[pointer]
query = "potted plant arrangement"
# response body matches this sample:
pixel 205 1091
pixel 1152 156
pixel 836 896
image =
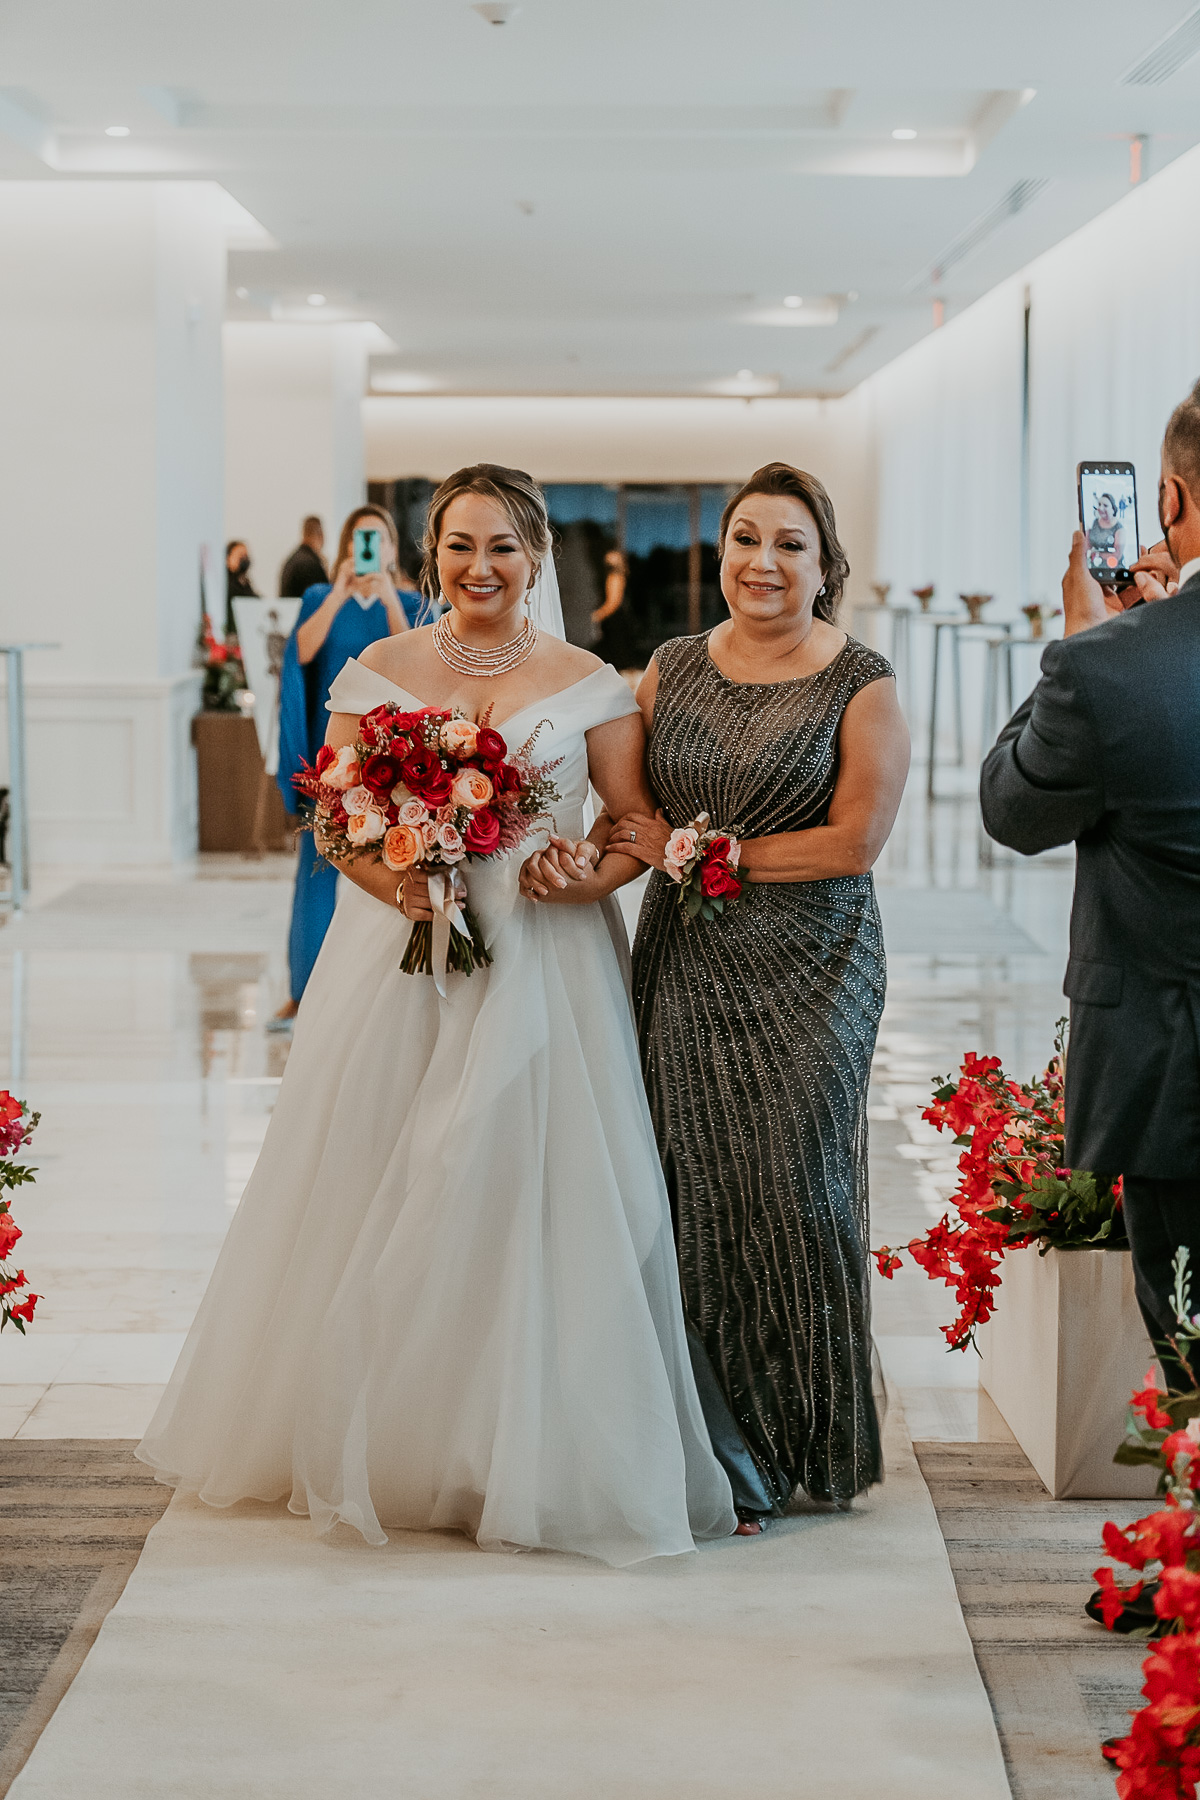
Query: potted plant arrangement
pixel 975 604
pixel 1159 1758
pixel 17 1126
pixel 1038 615
pixel 1069 1336
pixel 924 596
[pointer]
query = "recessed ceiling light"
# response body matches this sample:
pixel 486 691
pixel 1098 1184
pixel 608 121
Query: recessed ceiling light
pixel 904 134
pixel 792 300
pixel 242 293
pixel 495 14
pixel 116 131
pixel 745 374
pixel 316 299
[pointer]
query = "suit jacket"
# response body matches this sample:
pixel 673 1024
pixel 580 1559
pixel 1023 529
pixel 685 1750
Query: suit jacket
pixel 1106 753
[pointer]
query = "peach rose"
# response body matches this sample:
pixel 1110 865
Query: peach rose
pixel 459 737
pixel 429 832
pixel 358 799
pixel 450 842
pixel 402 847
pixel 366 827
pixel 680 848
pixel 471 788
pixel 414 812
pixel 343 772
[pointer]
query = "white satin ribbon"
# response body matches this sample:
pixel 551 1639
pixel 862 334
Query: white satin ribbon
pixel 446 889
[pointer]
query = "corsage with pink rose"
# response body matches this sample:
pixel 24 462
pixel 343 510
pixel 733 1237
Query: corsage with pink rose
pixel 428 790
pixel 704 864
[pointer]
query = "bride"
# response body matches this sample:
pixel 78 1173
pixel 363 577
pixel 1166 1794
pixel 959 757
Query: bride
pixel 449 1296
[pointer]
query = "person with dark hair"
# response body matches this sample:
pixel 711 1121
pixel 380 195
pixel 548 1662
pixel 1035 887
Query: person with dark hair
pixel 238 585
pixel 757 1028
pixel 449 1298
pixel 336 620
pixel 1104 754
pixel 306 565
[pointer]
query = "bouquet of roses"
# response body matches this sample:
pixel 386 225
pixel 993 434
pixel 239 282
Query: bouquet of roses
pixel 427 790
pixel 17 1125
pixel 703 862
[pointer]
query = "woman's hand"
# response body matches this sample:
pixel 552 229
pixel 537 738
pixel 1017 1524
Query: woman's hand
pixel 637 834
pixel 343 584
pixel 1156 573
pixel 563 860
pixel 415 902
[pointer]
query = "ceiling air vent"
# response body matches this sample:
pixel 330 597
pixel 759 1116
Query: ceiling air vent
pixel 1169 54
pixel 1016 200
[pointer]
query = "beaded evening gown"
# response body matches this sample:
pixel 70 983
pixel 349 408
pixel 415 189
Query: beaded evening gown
pixel 757 1031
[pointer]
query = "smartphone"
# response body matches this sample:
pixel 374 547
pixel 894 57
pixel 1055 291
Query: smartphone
pixel 1108 515
pixel 366 550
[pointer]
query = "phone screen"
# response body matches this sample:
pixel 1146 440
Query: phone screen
pixel 366 551
pixel 1108 514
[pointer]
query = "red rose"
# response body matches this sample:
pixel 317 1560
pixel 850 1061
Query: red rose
pixel 419 767
pixel 381 773
pixel 490 746
pixel 325 755
pixel 483 832
pixel 507 780
pixel 719 848
pixel 717 882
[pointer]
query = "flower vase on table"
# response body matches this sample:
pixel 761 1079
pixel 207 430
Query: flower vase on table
pixel 975 604
pixel 881 590
pixel 924 596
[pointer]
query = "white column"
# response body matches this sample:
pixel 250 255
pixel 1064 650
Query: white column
pixel 293 434
pixel 110 490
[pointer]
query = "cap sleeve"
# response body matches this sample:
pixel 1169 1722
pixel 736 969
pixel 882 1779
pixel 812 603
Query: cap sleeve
pixel 357 689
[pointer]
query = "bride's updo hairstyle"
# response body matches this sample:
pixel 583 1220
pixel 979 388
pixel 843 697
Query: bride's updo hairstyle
pixel 517 493
pixel 780 478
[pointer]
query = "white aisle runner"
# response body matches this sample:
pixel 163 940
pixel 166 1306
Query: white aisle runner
pixel 247 1660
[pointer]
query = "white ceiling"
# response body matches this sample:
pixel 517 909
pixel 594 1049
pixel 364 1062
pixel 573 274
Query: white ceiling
pixel 614 196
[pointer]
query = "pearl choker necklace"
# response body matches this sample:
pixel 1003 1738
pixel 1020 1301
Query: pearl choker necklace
pixel 466 660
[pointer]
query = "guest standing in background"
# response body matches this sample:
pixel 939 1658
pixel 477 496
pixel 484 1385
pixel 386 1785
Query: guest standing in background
pixel 757 1029
pixel 578 586
pixel 336 622
pixel 615 643
pixel 238 585
pixel 305 567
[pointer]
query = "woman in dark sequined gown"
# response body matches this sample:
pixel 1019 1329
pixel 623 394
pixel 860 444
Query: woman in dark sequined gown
pixel 757 1028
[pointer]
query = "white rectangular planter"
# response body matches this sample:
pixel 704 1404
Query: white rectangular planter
pixel 1063 1352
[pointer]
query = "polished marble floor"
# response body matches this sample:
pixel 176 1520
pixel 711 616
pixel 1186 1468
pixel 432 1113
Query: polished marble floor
pixel 133 1007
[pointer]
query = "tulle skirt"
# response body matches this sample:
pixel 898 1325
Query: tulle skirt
pixel 449 1297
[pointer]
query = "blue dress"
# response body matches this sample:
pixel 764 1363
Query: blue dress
pixel 303 720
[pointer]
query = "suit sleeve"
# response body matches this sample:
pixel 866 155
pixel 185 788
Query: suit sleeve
pixel 1043 783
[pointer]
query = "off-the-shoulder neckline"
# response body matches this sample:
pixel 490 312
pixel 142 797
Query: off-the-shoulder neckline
pixel 497 724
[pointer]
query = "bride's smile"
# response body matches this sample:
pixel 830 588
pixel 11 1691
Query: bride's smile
pixel 485 570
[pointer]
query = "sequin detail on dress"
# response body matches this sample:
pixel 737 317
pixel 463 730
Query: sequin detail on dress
pixel 757 1032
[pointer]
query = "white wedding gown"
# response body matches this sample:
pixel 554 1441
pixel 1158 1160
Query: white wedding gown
pixel 449 1296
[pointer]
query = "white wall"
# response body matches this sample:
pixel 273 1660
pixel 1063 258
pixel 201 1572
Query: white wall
pixel 1114 345
pixel 294 435
pixel 111 296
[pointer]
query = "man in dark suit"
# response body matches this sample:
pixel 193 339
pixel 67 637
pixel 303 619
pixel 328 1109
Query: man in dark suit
pixel 305 567
pixel 1106 753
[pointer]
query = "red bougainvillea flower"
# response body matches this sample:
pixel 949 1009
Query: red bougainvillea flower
pixel 1178 1597
pixel 10 1109
pixel 9 1234
pixel 1114 1599
pixel 25 1310
pixel 887 1262
pixel 1145 1400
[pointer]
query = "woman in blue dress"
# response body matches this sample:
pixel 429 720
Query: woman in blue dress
pixel 337 621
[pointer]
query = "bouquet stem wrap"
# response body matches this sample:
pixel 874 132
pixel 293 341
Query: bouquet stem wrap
pixel 451 940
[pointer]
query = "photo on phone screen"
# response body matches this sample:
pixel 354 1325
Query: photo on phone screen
pixel 366 551
pixel 1108 514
